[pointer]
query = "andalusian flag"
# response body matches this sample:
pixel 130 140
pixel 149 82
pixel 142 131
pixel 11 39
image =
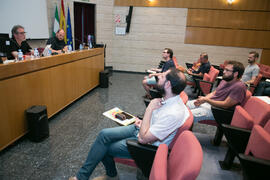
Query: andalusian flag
pixel 56 21
pixel 69 32
pixel 63 20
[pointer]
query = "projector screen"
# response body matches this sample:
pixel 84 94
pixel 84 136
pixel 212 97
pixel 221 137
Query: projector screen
pixel 31 14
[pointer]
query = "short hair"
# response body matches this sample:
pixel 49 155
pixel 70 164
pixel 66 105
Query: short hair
pixel 205 55
pixel 169 51
pixel 15 28
pixel 237 67
pixel 60 30
pixel 256 55
pixel 178 82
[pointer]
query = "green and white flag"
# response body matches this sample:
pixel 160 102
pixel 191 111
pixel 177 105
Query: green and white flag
pixel 56 21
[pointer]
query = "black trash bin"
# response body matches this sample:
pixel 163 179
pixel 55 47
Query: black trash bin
pixel 38 126
pixel 104 78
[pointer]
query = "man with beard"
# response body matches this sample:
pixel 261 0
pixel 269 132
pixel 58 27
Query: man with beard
pixel 162 118
pixel 150 80
pixel 230 92
pixel 58 44
pixel 252 70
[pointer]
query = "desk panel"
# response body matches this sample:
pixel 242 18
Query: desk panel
pixel 55 82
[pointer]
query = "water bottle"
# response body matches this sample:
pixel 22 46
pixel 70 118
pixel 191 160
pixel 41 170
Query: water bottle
pixel 81 47
pixel 20 55
pixel 89 42
pixel 36 53
pixel 49 52
pixel 69 48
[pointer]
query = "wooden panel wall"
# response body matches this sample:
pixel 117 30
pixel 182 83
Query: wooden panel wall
pixel 258 5
pixel 265 57
pixel 229 19
pixel 228 37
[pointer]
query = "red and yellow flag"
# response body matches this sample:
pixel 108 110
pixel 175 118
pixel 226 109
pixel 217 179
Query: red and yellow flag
pixel 63 20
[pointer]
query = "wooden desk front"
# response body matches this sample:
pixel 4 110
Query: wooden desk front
pixel 54 81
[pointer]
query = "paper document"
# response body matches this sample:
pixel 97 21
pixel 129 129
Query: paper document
pixel 112 115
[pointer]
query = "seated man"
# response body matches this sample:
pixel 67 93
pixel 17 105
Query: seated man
pixel 252 70
pixel 167 55
pixel 230 92
pixel 203 68
pixel 263 89
pixel 58 44
pixel 161 120
pixel 18 42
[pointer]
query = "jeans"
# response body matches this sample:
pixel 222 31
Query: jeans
pixel 263 89
pixel 202 112
pixel 110 142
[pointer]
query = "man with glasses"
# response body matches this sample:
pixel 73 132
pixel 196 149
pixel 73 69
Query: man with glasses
pixel 230 92
pixel 18 41
pixel 149 81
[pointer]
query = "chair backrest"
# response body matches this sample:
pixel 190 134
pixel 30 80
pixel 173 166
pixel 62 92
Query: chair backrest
pixel 185 159
pixel 210 77
pixel 255 83
pixel 259 142
pixel 248 95
pixel 255 111
pixel 186 126
pixel 184 162
pixel 213 73
pixel 184 97
pixel 175 61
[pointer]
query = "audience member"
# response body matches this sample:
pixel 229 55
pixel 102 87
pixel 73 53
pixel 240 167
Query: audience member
pixel 204 68
pixel 18 41
pixel 252 70
pixel 263 89
pixel 160 123
pixel 230 92
pixel 167 55
pixel 57 42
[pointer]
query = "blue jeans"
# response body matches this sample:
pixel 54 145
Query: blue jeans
pixel 110 142
pixel 202 112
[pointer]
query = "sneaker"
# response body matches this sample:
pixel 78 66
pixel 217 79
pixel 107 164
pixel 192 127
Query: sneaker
pixel 73 178
pixel 105 177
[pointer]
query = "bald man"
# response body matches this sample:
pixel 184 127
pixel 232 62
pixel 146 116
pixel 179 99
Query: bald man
pixel 57 43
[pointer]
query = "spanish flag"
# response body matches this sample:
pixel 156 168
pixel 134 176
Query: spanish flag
pixel 63 20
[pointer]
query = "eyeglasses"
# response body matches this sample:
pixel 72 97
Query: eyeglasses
pixel 227 70
pixel 165 52
pixel 21 33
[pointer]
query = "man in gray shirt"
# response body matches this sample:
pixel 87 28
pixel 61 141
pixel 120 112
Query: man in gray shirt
pixel 252 70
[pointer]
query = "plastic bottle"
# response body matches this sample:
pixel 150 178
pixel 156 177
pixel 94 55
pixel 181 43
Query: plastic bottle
pixel 81 47
pixel 69 48
pixel 20 55
pixel 36 53
pixel 89 42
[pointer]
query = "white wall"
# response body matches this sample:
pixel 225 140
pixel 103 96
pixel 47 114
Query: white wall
pixel 152 29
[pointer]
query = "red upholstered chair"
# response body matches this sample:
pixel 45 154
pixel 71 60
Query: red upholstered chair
pixel 255 83
pixel 144 155
pixel 254 112
pixel 184 161
pixel 206 85
pixel 256 160
pixel 184 96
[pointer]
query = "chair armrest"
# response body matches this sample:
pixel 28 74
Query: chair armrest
pixel 143 155
pixel 221 115
pixel 254 168
pixel 237 137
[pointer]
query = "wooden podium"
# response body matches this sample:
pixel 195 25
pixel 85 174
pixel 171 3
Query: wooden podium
pixel 54 81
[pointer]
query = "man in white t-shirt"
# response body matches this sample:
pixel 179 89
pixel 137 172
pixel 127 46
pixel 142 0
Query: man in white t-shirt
pixel 162 118
pixel 252 70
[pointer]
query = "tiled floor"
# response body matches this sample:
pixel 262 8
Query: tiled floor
pixel 73 130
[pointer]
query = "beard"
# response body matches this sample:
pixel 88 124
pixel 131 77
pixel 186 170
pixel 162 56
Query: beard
pixel 227 78
pixel 161 89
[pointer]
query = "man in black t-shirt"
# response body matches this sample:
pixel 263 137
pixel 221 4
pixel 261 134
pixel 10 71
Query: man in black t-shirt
pixel 18 42
pixel 204 68
pixel 167 55
pixel 57 43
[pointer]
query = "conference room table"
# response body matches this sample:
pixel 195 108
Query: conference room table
pixel 54 81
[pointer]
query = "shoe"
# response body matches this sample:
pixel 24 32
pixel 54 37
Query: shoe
pixel 73 178
pixel 105 177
